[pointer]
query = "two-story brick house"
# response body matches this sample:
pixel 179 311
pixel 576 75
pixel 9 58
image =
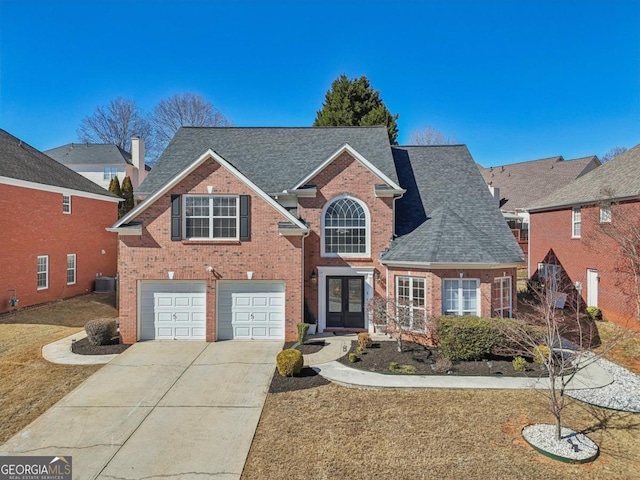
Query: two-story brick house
pixel 241 227
pixel 587 232
pixel 53 239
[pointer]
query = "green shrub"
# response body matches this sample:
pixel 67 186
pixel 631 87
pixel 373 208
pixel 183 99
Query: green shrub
pixel 594 313
pixel 303 328
pixel 466 337
pixel 519 364
pixel 289 362
pixel 364 340
pixel 402 369
pixel 540 354
pixel 101 331
pixel 353 357
pixel 359 350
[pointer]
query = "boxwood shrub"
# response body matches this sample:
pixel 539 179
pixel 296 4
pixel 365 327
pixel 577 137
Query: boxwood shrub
pixel 101 331
pixel 466 337
pixel 289 362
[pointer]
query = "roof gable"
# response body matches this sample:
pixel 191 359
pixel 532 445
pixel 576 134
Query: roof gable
pixel 275 159
pixel 96 154
pixel 616 179
pixel 24 164
pixel 524 183
pixel 208 155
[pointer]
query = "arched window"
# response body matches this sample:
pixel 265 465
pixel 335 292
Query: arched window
pixel 345 228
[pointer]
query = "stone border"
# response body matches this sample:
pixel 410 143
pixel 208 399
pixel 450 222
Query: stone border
pixel 574 447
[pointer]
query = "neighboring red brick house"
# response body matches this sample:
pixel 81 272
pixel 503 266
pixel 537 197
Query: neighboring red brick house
pixel 243 226
pixel 53 239
pixel 577 235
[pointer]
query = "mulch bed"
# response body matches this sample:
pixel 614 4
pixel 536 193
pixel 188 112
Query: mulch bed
pixel 84 347
pixel 307 378
pixel 379 356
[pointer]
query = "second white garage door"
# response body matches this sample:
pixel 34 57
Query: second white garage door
pixel 251 310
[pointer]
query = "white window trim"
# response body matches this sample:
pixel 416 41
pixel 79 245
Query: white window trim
pixel 75 269
pixel 46 271
pixel 65 203
pixel 210 239
pixel 575 211
pixel 411 306
pixel 108 173
pixel 501 308
pixel 606 210
pixel 459 311
pixel 367 252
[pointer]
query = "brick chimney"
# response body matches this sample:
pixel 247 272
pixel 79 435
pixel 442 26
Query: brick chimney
pixel 137 158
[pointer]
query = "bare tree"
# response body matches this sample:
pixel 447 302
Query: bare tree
pixel 116 123
pixel 184 110
pixel 561 342
pixel 430 136
pixel 397 318
pixel 612 153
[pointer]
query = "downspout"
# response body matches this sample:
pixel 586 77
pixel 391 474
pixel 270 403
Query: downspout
pixel 302 281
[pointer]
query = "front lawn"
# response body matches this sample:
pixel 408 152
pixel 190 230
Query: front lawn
pixel 30 385
pixel 333 432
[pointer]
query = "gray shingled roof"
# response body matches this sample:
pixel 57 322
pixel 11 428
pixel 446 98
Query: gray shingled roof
pixel 522 184
pixel 447 214
pixel 618 178
pixel 21 161
pixel 274 159
pixel 90 154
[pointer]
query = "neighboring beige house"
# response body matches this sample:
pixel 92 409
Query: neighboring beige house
pixel 100 162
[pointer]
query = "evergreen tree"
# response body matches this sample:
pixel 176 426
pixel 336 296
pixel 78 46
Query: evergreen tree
pixel 127 194
pixel 114 187
pixel 354 102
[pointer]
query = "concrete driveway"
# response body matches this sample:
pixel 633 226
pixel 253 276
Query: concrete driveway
pixel 160 410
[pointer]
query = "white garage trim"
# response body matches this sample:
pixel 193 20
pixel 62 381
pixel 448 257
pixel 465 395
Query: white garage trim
pixel 250 310
pixel 172 310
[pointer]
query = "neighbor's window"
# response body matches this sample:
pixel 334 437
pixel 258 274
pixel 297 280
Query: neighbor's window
pixel 410 294
pixel 109 173
pixel 549 273
pixel 605 214
pixel 576 224
pixel 211 217
pixel 71 269
pixel 345 228
pixel 460 297
pixel 502 297
pixel 43 272
pixel 66 203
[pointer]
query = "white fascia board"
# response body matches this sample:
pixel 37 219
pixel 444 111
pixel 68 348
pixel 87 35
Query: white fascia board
pixel 349 149
pixel 14 182
pixel 451 266
pixel 582 203
pixel 209 154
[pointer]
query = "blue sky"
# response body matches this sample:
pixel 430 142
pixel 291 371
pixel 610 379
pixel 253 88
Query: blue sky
pixel 514 80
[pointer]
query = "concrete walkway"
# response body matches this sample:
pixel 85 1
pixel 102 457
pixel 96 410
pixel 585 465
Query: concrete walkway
pixel 60 352
pixel 593 376
pixel 171 410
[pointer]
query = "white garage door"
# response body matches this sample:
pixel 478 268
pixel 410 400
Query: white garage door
pixel 173 311
pixel 251 310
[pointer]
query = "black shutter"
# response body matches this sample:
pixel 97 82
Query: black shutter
pixel 176 217
pixel 245 217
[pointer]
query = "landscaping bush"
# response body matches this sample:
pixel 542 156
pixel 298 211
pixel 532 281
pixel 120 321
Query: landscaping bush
pixel 364 340
pixel 442 365
pixel 594 313
pixel 353 357
pixel 303 328
pixel 519 364
pixel 289 362
pixel 541 354
pixel 466 337
pixel 101 331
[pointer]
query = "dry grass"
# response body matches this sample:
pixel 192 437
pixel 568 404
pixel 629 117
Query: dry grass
pixel 30 384
pixel 333 432
pixel 626 350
